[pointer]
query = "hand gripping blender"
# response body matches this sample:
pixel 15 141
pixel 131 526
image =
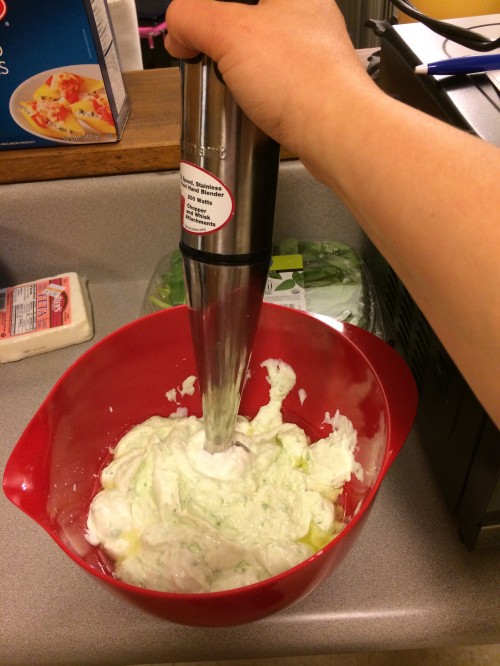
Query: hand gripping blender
pixel 229 172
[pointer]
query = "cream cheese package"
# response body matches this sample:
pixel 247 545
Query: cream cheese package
pixel 60 77
pixel 39 316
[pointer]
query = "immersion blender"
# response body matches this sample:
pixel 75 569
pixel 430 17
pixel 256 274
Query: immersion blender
pixel 229 172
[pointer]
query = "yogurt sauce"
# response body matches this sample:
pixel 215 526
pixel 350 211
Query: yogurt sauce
pixel 176 518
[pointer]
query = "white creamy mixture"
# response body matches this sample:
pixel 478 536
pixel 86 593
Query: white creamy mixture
pixel 176 518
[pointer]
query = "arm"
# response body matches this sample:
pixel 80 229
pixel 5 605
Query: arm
pixel 427 194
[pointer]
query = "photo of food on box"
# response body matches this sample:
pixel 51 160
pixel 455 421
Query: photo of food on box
pixel 67 88
pixel 68 104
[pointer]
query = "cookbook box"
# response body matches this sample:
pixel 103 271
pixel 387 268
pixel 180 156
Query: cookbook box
pixel 60 77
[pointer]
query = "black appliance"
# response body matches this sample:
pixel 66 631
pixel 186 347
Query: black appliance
pixel 469 101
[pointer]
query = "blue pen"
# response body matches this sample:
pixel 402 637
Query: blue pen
pixel 465 65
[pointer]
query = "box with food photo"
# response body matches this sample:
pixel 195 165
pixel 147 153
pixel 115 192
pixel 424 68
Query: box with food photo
pixel 60 75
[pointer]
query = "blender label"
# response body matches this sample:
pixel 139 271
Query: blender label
pixel 207 204
pixel 285 282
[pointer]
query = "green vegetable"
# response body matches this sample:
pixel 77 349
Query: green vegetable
pixel 170 290
pixel 298 277
pixel 332 273
pixel 325 263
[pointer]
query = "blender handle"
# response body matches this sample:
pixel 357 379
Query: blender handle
pixel 398 385
pixel 229 171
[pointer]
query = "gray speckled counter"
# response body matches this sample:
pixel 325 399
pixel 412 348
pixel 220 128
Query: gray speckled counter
pixel 407 583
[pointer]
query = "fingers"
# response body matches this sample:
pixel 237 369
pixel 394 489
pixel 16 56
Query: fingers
pixel 196 26
pixel 277 57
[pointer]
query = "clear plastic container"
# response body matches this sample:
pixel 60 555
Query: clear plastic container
pixel 332 279
pixel 166 287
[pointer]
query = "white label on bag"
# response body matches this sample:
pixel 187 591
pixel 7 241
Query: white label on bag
pixel 206 203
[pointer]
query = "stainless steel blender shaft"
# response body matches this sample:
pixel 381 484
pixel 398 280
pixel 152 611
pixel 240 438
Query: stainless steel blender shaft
pixel 225 307
pixel 229 172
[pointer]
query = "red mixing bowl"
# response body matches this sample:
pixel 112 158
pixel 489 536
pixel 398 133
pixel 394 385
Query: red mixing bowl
pixel 122 380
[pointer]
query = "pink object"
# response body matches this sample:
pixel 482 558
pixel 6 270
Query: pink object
pixel 122 380
pixel 150 32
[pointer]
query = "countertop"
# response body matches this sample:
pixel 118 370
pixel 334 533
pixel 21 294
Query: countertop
pixel 408 582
